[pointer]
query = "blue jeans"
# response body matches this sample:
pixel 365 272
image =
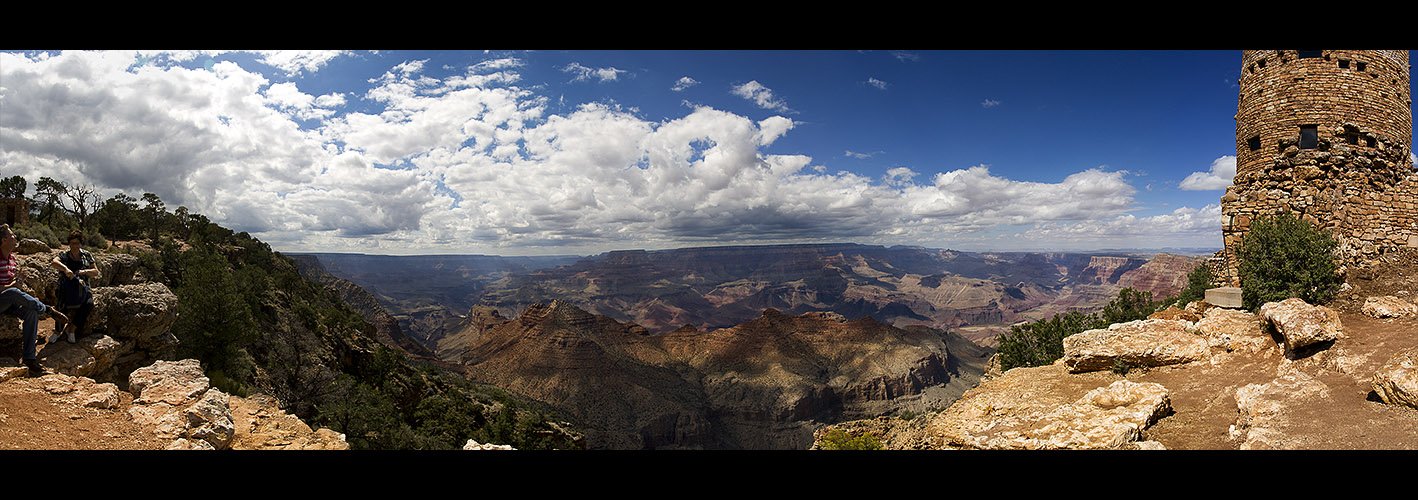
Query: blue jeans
pixel 21 305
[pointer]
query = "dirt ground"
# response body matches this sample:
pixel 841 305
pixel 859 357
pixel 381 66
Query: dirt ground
pixel 1350 418
pixel 32 418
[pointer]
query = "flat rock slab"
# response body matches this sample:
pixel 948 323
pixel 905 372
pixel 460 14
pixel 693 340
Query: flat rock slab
pixel 1029 409
pixel 1267 413
pixel 1148 342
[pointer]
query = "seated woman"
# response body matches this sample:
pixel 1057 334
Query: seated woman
pixel 75 297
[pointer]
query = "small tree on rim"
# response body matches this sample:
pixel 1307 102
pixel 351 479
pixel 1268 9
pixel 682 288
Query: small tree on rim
pixel 1284 256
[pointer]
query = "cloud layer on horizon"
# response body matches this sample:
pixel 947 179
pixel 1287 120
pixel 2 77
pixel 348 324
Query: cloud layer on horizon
pixel 474 162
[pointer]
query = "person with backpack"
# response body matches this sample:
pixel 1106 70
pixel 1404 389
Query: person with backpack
pixel 16 302
pixel 76 268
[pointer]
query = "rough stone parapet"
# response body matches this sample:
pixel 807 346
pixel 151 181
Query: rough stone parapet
pixel 1327 135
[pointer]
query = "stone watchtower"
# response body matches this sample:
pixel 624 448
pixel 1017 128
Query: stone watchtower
pixel 1326 134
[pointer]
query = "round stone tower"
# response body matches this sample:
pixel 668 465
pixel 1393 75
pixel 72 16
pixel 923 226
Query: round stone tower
pixel 1326 134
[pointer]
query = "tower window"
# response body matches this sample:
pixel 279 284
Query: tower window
pixel 1309 136
pixel 1369 141
pixel 1307 54
pixel 1344 63
pixel 1253 143
pixel 1261 64
pixel 1362 66
pixel 1352 138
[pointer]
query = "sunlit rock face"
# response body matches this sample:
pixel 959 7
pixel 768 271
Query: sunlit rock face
pixel 764 384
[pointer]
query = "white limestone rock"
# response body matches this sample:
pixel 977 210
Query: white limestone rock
pixel 1388 306
pixel 171 382
pixel 1234 330
pixel 1396 382
pixel 1149 342
pixel 1263 409
pixel 1302 324
pixel 474 445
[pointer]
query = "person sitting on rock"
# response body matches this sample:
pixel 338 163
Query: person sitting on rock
pixel 16 302
pixel 76 268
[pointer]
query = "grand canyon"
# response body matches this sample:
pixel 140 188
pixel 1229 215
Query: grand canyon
pixel 742 347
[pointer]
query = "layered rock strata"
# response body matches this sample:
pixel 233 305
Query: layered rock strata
pixel 765 384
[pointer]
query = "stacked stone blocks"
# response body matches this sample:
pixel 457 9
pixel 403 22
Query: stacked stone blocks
pixel 1327 135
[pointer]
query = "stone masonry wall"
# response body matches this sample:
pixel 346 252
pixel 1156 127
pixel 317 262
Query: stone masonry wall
pixel 1353 173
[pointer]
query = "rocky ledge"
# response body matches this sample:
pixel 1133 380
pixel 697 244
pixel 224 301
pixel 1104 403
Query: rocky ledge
pixel 1293 377
pixel 169 405
pixel 128 327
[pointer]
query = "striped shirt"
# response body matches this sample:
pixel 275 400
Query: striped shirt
pixel 8 267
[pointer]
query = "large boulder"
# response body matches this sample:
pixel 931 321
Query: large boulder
pixel 134 312
pixel 1396 382
pixel 1148 342
pixel 90 357
pixel 42 279
pixel 1388 306
pixel 1234 330
pixel 176 400
pixel 1302 324
pixel 30 245
pixel 129 327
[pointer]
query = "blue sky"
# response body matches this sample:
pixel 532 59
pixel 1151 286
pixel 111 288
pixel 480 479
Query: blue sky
pixel 562 152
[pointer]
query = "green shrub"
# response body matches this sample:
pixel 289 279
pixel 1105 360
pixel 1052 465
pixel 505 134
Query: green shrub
pixel 838 439
pixel 1041 342
pixel 39 231
pixel 1283 256
pixel 1129 306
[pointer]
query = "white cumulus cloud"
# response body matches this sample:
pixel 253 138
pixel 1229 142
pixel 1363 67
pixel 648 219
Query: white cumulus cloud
pixel 760 95
pixel 683 83
pixel 581 73
pixel 1218 176
pixel 473 163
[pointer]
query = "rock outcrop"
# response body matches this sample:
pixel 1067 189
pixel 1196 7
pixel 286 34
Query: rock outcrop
pixel 128 327
pixel 1248 390
pixel 176 400
pixel 1148 342
pixel 31 245
pixel 1302 324
pixel 1396 383
pixel 1033 409
pixel 169 405
pixel 260 424
pixel 474 445
pixel 1389 306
